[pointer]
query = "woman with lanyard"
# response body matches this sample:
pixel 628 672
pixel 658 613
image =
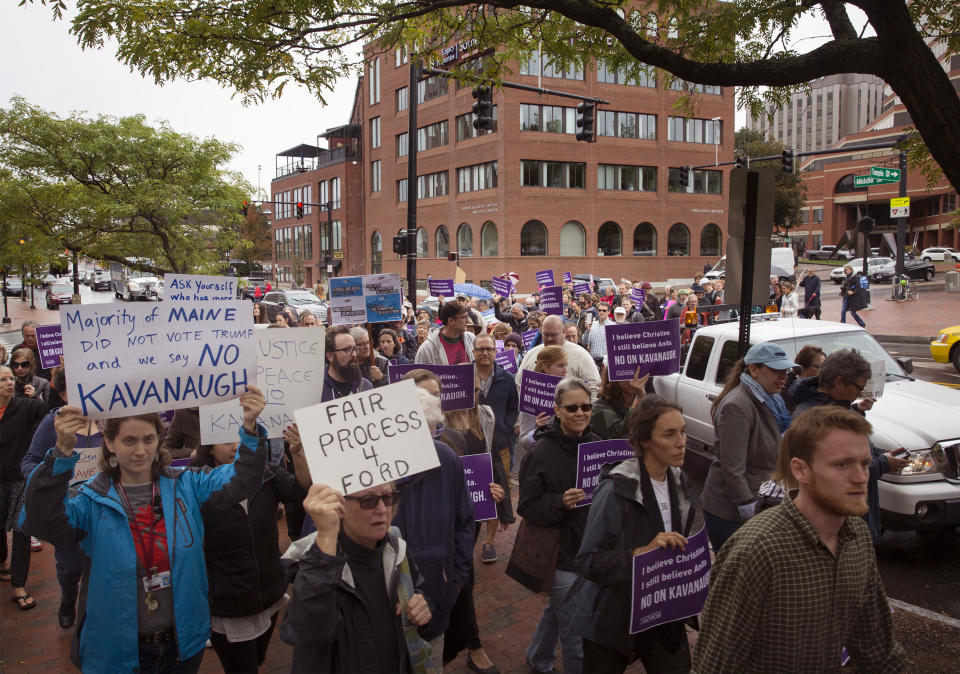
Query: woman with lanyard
pixel 639 505
pixel 749 417
pixel 139 524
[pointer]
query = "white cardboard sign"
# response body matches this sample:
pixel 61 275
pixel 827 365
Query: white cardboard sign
pixel 878 376
pixel 290 366
pixel 368 438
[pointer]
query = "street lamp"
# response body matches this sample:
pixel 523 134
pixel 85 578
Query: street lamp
pixel 716 140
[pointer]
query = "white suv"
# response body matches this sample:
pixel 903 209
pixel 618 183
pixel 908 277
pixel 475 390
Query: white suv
pixel 940 255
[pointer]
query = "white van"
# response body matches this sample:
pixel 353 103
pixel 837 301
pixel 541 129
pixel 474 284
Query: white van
pixel 781 264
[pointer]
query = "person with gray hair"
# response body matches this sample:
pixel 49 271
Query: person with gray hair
pixel 373 366
pixel 549 498
pixel 843 375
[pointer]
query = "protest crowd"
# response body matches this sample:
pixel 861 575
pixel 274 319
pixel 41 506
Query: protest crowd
pixel 423 438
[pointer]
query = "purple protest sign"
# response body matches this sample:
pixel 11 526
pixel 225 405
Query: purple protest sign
pixel 50 344
pixel 440 286
pixel 580 287
pixel 478 470
pixel 502 287
pixel 670 584
pixel 507 359
pixel 528 338
pixel 457 390
pixel 545 278
pixel 567 277
pixel 537 391
pixel 590 459
pixel 654 346
pixel 638 295
pixel 551 300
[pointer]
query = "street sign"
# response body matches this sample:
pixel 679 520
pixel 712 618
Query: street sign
pixel 885 175
pixel 900 207
pixel 864 181
pixel 338 255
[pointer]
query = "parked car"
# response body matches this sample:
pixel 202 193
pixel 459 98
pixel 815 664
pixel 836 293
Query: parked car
pixel 837 275
pixel 248 290
pixel 782 263
pixel 946 347
pixel 600 282
pixel 940 255
pixel 101 281
pixel 298 300
pixel 920 416
pixel 141 288
pixel 915 269
pixel 827 252
pixel 14 286
pixel 59 293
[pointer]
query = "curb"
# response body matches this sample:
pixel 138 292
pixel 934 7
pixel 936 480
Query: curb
pixel 904 339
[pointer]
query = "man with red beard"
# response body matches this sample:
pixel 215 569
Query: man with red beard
pixel 799 582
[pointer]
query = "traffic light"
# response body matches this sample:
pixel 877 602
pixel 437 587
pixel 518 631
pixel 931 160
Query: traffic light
pixel 451 257
pixel 739 162
pixel 787 161
pixel 483 108
pixel 684 178
pixel 299 210
pixel 586 119
pixel 400 244
pixel 243 209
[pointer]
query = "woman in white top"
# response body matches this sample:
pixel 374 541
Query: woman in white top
pixel 789 301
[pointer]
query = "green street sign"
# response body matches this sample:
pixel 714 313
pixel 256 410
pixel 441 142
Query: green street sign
pixel 885 175
pixel 864 181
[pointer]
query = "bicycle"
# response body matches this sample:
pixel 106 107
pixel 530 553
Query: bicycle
pixel 904 290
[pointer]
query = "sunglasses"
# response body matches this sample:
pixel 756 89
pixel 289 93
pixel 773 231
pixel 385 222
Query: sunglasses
pixel 22 363
pixel 370 502
pixel 571 409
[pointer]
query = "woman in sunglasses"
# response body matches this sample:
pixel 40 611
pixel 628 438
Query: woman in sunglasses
pixel 23 362
pixel 548 498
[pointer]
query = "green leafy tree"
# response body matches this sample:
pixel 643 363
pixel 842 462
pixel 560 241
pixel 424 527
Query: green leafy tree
pixel 791 190
pixel 257 48
pixel 119 189
pixel 254 243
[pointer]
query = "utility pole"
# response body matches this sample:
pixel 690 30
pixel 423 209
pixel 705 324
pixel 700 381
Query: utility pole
pixel 902 222
pixel 416 69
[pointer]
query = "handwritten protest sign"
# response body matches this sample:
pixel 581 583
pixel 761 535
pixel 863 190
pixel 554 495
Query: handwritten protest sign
pixel 590 459
pixel 551 300
pixel 507 359
pixel 654 346
pixel 878 376
pixel 502 287
pixel 489 317
pixel 133 359
pixel 86 466
pixel 50 345
pixel 440 286
pixel 638 295
pixel 290 366
pixel 368 438
pixel 478 470
pixel 375 298
pixel 529 337
pixel 567 277
pixel 545 278
pixel 580 287
pixel 670 584
pixel 191 288
pixel 537 392
pixel 457 382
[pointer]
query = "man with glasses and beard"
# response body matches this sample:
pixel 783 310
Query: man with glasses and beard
pixel 342 377
pixel 799 582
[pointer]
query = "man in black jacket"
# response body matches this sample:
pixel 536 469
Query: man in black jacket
pixel 344 616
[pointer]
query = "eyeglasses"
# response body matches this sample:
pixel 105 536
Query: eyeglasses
pixel 571 409
pixel 857 386
pixel 603 311
pixel 20 363
pixel 348 349
pixel 483 349
pixel 370 502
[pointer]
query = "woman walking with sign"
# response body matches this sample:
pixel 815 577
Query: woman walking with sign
pixel 143 597
pixel 548 501
pixel 639 505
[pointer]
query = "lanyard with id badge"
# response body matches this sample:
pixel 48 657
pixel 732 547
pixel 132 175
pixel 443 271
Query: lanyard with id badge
pixel 155 580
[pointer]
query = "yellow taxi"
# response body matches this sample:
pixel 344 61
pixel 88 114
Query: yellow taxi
pixel 946 347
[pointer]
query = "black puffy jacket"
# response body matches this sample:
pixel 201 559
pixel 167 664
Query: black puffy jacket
pixel 242 548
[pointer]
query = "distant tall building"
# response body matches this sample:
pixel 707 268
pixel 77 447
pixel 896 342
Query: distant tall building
pixel 837 106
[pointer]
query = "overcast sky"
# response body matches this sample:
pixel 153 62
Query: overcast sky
pixel 44 64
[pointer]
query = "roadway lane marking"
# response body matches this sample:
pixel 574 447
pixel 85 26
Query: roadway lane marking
pixel 926 613
pixel 943 383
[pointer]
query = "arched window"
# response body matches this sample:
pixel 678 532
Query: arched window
pixel 465 241
pixel 645 239
pixel 489 243
pixel 609 239
pixel 678 240
pixel 376 253
pixel 573 240
pixel 710 240
pixel 423 242
pixel 443 242
pixel 533 238
pixel 845 184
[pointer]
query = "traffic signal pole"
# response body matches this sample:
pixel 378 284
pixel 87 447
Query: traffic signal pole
pixel 416 69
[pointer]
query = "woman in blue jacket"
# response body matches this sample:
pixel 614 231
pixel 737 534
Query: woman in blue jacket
pixel 143 596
